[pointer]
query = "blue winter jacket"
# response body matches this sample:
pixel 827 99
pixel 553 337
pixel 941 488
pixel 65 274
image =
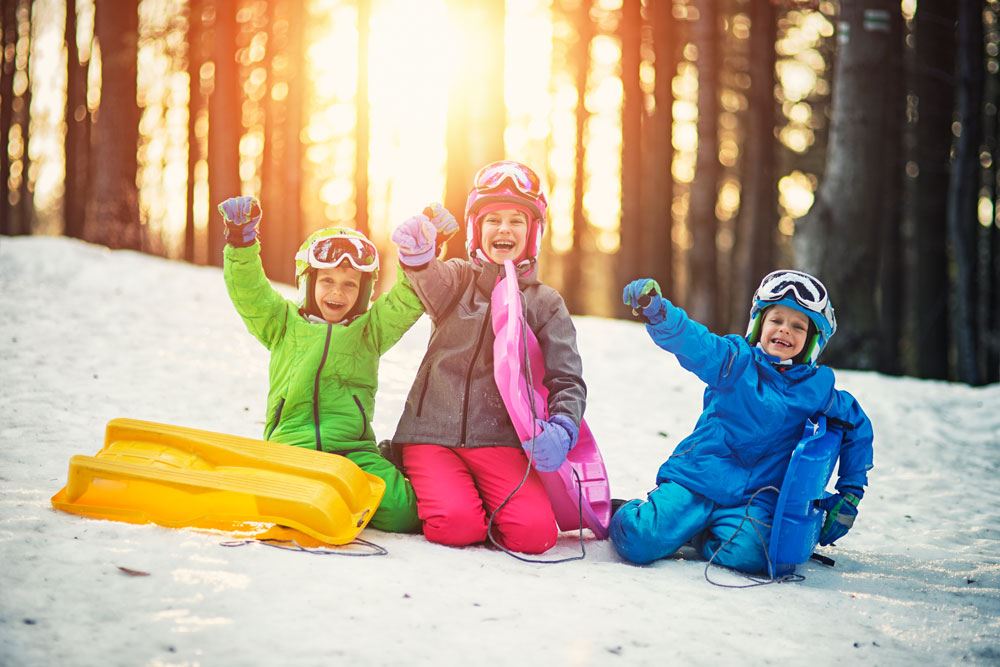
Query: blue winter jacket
pixel 753 415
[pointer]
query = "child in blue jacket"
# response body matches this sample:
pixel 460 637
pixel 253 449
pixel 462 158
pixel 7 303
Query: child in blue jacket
pixel 761 390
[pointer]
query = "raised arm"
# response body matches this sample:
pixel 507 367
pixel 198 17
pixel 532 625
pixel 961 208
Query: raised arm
pixel 394 313
pixel 419 240
pixel 262 308
pixel 712 358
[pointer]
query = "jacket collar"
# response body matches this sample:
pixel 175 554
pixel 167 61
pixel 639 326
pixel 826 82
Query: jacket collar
pixel 487 275
pixel 789 370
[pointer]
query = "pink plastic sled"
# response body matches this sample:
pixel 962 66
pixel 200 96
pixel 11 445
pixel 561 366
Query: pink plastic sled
pixel 584 461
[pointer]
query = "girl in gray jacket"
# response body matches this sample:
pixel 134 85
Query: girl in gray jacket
pixel 459 447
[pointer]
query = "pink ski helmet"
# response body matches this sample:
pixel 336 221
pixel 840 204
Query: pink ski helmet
pixel 505 182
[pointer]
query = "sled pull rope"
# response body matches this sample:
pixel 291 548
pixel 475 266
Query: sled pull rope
pixel 292 545
pixel 531 453
pixel 756 581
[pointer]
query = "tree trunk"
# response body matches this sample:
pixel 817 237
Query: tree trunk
pixel 993 355
pixel 272 156
pixel 476 112
pixel 77 132
pixel 196 57
pixel 840 239
pixel 293 232
pixel 361 135
pixel 7 65
pixel 25 188
pixel 112 216
pixel 890 264
pixel 631 234
pixel 225 124
pixel 964 185
pixel 659 195
pixel 703 293
pixel 574 260
pixel 993 358
pixel 755 238
pixel 935 44
pixel 992 363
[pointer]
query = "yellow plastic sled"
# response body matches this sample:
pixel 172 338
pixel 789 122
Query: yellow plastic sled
pixel 175 476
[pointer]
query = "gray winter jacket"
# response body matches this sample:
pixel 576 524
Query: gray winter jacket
pixel 454 399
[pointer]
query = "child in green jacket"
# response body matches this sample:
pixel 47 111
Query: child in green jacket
pixel 325 350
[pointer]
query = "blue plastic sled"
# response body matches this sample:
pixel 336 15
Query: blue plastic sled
pixel 797 521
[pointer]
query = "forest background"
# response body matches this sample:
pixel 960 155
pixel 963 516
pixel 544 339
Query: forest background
pixel 701 142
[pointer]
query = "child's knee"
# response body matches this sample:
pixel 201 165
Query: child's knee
pixel 527 537
pixel 396 517
pixel 646 531
pixel 631 539
pixel 456 526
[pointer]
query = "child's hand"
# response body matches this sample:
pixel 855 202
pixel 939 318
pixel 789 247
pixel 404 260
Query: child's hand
pixel 416 238
pixel 241 216
pixel 841 510
pixel 551 446
pixel 643 297
pixel 442 219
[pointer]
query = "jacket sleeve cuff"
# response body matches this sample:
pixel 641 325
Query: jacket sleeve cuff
pixel 855 491
pixel 567 423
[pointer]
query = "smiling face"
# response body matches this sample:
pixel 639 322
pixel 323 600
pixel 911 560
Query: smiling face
pixel 504 234
pixel 336 291
pixel 783 332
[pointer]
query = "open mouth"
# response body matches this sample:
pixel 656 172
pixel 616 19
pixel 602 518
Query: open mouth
pixel 503 245
pixel 778 342
pixel 333 305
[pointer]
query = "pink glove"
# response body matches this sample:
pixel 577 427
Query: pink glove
pixel 415 238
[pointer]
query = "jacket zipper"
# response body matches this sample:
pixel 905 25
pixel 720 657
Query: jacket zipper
pixel 364 417
pixel 277 417
pixel 322 362
pixel 468 376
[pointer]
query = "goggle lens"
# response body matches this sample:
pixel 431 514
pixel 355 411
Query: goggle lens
pixel 806 290
pixel 494 174
pixel 331 252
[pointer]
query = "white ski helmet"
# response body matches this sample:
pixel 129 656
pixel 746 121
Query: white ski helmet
pixel 802 292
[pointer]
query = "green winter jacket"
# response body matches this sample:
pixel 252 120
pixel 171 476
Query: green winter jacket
pixel 323 377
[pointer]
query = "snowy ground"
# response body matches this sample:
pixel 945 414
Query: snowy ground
pixel 87 335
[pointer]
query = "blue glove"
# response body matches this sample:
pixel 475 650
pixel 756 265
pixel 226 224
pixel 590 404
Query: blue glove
pixel 241 216
pixel 841 510
pixel 643 297
pixel 551 446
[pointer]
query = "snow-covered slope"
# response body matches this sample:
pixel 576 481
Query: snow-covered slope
pixel 87 335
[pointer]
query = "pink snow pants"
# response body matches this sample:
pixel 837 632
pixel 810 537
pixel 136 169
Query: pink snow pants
pixel 456 487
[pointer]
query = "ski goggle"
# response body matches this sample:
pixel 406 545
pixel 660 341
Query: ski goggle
pixel 807 291
pixel 493 176
pixel 331 251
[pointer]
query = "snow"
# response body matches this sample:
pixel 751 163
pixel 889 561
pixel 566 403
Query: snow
pixel 88 334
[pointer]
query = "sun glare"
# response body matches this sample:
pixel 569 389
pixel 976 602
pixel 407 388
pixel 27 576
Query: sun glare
pixel 414 54
pixel 409 75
